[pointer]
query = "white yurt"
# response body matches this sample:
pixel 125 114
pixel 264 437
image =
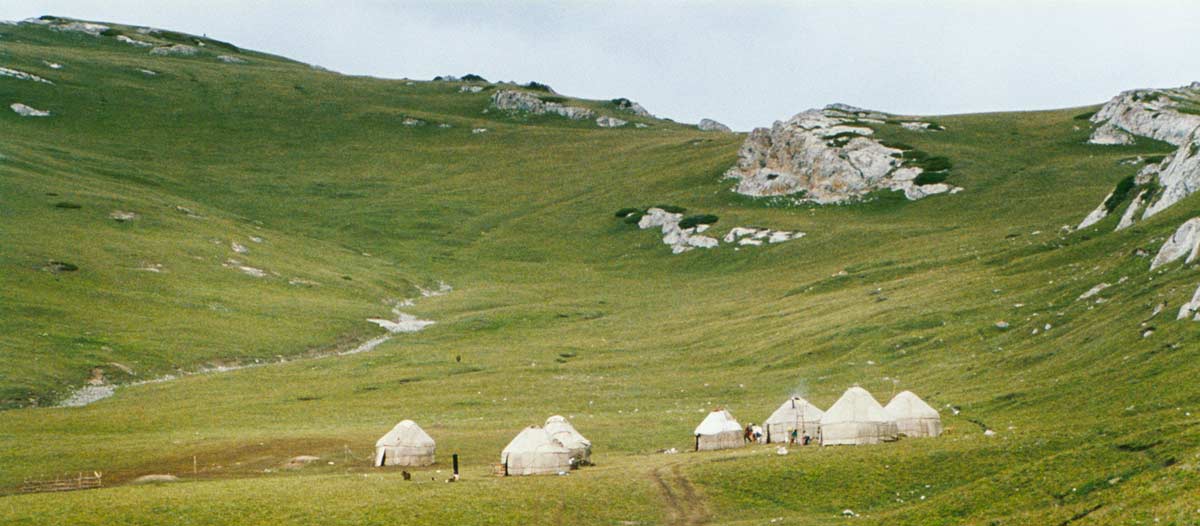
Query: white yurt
pixel 914 417
pixel 405 445
pixel 796 413
pixel 856 418
pixel 719 431
pixel 565 433
pixel 535 452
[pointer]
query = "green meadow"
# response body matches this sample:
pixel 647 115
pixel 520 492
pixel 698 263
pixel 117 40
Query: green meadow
pixel 556 307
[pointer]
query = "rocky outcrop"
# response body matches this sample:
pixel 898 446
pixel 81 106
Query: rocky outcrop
pixel 825 157
pixel 746 236
pixel 679 239
pixel 1190 309
pixel 605 121
pixel 133 41
pixel 521 102
pixel 631 107
pixel 711 125
pixel 1179 176
pixel 1097 215
pixel 230 59
pixel 1147 113
pixel 21 75
pixel 66 24
pixel 175 50
pixel 1184 242
pixel 27 111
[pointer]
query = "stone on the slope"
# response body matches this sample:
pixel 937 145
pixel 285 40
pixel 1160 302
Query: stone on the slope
pixel 412 121
pixel 148 73
pixel 631 107
pixel 238 247
pixel 1099 213
pixel 657 217
pixel 1191 309
pixel 27 111
pixel 133 41
pixel 711 125
pixel 21 75
pixel 1180 177
pixel 1093 291
pixel 230 59
pixel 122 216
pixel 155 479
pixel 470 89
pixel 1130 215
pixel 479 130
pixel 817 154
pixel 88 28
pixel 1184 242
pixel 1147 113
pixel 610 122
pixel 915 126
pixel 521 102
pixel 176 50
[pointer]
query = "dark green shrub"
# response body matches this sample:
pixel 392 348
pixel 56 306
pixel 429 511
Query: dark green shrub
pixel 930 178
pixel 626 211
pixel 1124 186
pixel 538 86
pixel 552 98
pixel 1084 116
pixel 67 204
pixel 110 32
pixel 632 219
pixel 696 220
pixel 896 145
pixel 672 208
pixel 933 164
pixel 915 155
pixel 61 266
pixel 471 77
pixel 1154 159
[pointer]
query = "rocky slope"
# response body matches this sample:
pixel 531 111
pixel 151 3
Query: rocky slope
pixel 829 156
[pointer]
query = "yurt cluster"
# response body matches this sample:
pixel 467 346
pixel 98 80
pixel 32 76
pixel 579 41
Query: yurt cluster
pixel 557 447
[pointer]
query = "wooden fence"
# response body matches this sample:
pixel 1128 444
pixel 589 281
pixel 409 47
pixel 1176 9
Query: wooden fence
pixel 68 483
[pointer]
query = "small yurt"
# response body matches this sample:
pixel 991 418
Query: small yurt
pixel 565 433
pixel 797 414
pixel 856 418
pixel 535 452
pixel 405 445
pixel 719 431
pixel 914 417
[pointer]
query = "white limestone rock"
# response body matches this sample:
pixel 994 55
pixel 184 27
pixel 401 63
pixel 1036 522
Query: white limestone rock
pixel 133 41
pixel 605 121
pixel 470 89
pixel 1191 309
pixel 1098 214
pixel 477 131
pixel 631 107
pixel 27 111
pixel 521 102
pixel 175 50
pixel 818 154
pixel 230 59
pixel 21 75
pixel 1093 291
pixel 711 125
pixel 1146 113
pixel 1184 242
pixel 1179 178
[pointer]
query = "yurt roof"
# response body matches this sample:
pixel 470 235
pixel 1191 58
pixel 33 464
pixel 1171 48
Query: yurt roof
pixel 534 439
pixel 406 432
pixel 855 405
pixel 718 421
pixel 795 409
pixel 909 405
pixel 561 429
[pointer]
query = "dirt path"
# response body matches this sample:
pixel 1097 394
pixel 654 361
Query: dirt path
pixel 684 506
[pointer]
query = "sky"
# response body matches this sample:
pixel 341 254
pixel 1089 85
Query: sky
pixel 745 63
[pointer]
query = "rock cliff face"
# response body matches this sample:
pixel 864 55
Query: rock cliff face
pixel 826 157
pixel 520 101
pixel 1148 113
pixel 1168 115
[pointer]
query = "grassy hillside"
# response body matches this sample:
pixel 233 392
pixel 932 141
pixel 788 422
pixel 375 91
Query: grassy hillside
pixel 557 308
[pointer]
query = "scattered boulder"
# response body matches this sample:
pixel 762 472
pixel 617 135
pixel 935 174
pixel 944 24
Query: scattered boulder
pixel 521 102
pixel 230 59
pixel 1002 325
pixel 133 41
pixel 1191 308
pixel 238 247
pixel 155 479
pixel 746 236
pixel 605 121
pixel 624 104
pixel 21 75
pixel 470 89
pixel 711 125
pixel 1184 242
pixel 412 121
pixel 479 130
pixel 821 157
pixel 175 50
pixel 122 216
pixel 248 270
pixel 920 126
pixel 148 73
pixel 28 111
pixel 1093 291
pixel 679 239
pixel 300 461
pixel 52 65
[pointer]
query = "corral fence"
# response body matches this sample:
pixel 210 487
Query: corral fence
pixel 66 483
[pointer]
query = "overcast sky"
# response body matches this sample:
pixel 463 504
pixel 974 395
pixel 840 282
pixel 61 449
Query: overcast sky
pixel 745 63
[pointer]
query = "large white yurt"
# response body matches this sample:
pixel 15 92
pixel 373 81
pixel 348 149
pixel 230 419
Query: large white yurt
pixel 565 433
pixel 856 418
pixel 535 452
pixel 914 417
pixel 719 431
pixel 797 414
pixel 405 445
